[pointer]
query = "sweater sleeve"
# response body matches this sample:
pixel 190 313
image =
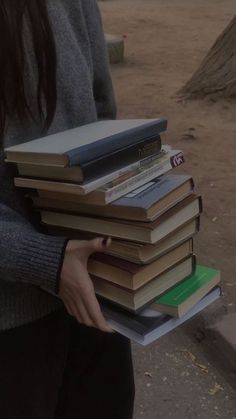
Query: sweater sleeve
pixel 26 255
pixel 102 86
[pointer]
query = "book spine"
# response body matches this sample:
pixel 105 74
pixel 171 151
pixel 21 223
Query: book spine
pixel 118 159
pixel 142 177
pixel 126 171
pixel 83 189
pixel 115 142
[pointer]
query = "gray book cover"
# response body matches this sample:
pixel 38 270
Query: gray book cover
pixel 148 194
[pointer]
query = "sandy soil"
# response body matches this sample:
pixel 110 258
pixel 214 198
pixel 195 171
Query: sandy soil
pixel 166 41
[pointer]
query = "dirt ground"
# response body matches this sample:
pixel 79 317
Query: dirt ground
pixel 165 42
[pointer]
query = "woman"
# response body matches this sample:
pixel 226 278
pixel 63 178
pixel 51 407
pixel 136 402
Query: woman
pixel 58 357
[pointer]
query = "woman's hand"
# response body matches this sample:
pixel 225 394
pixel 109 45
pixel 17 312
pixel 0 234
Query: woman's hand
pixel 76 288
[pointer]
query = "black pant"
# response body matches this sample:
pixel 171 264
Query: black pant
pixel 55 368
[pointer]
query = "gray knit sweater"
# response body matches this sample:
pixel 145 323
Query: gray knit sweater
pixel 30 260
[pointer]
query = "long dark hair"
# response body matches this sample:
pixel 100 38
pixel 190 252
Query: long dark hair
pixel 13 101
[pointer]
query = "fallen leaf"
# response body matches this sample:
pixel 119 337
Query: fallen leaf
pixel 202 367
pixel 215 389
pixel 189 136
pixel 194 360
pixel 189 354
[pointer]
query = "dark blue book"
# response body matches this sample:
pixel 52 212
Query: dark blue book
pixel 85 143
pixel 125 156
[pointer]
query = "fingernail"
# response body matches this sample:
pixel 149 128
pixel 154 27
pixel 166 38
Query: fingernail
pixel 106 242
pixel 108 330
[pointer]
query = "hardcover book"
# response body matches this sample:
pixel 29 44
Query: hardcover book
pixel 137 252
pixel 150 325
pixel 182 297
pixel 131 275
pixel 135 300
pixel 85 143
pixel 142 204
pixel 143 232
pixel 146 253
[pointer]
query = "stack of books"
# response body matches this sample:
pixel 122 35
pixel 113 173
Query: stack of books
pixel 115 178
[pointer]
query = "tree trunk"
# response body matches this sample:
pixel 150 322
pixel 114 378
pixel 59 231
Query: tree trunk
pixel 217 73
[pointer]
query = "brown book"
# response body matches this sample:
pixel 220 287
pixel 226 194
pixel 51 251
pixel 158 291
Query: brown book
pixel 142 232
pixel 131 275
pixel 146 253
pixel 141 253
pixel 136 300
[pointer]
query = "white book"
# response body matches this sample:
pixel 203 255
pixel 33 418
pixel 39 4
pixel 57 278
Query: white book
pixel 150 325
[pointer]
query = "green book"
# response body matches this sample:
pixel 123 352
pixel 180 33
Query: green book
pixel 186 294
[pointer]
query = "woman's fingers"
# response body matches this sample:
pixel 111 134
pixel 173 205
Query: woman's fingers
pixel 94 311
pixel 76 288
pixel 98 245
pixel 83 314
pixel 85 308
pixel 71 307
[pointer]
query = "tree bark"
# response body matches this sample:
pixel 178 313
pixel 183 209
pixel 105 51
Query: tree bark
pixel 217 73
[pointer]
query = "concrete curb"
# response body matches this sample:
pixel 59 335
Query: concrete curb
pixel 221 339
pixel 216 333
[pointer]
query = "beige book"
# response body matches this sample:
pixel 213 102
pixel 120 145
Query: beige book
pixel 136 300
pixel 131 275
pixel 142 232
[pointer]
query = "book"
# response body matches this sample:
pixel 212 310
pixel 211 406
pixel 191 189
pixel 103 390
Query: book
pixel 135 300
pixel 181 298
pixel 140 253
pixel 101 190
pixel 146 253
pixel 150 325
pixel 145 203
pixel 94 168
pixel 143 232
pixel 85 143
pixel 131 275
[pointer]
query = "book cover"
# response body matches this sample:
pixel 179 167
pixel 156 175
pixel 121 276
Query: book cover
pixel 153 191
pixel 172 211
pixel 150 325
pixel 180 298
pixel 87 142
